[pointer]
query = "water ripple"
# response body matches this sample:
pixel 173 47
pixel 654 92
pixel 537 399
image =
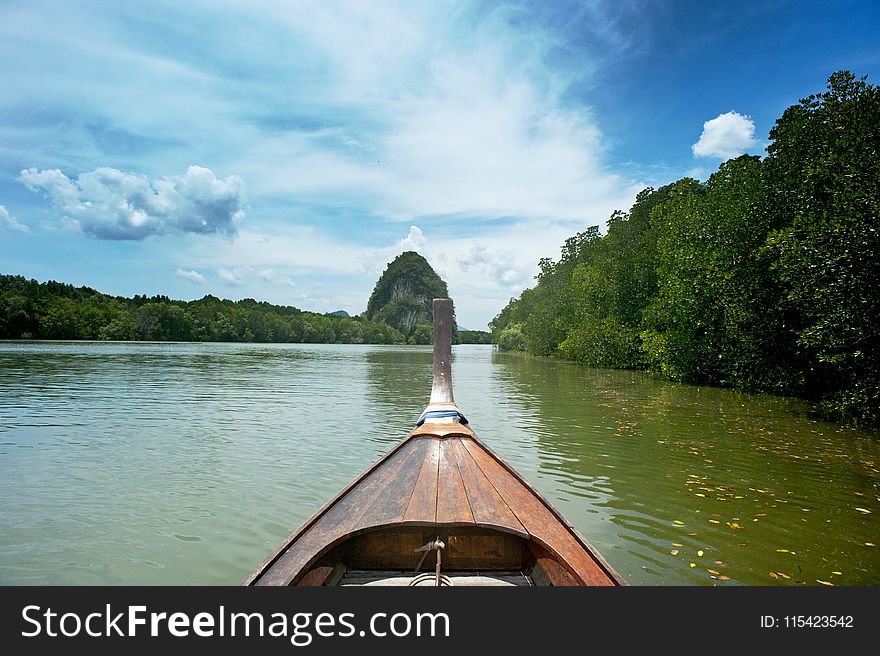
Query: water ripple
pixel 133 463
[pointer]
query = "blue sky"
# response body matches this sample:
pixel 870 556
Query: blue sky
pixel 286 151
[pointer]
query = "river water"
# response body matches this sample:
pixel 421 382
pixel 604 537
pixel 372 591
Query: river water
pixel 166 463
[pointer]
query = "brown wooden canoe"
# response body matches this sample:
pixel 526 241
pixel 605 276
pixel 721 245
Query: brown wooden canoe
pixel 439 509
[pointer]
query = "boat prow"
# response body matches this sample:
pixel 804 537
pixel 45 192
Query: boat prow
pixel 439 509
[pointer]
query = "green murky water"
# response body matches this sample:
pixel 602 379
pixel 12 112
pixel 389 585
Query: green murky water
pixel 187 463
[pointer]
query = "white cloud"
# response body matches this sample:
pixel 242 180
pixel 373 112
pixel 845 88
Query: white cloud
pixel 233 276
pixel 110 204
pixel 414 240
pixel 725 136
pixel 411 111
pixel 8 221
pixel 498 267
pixel 483 271
pixel 192 276
pixel 246 274
pixel 276 278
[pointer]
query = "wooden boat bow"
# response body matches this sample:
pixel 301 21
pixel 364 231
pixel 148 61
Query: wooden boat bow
pixel 440 483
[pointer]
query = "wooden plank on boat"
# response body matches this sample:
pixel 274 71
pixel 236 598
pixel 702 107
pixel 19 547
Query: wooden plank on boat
pixel 468 547
pixel 315 577
pixel 547 570
pixel 452 501
pixel 423 504
pixel 487 506
pixel 398 491
pixel 538 519
pixel 339 519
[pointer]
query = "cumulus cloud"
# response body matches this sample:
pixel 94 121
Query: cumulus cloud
pixel 193 276
pixel 8 221
pixel 499 267
pixel 110 204
pixel 725 136
pixel 414 240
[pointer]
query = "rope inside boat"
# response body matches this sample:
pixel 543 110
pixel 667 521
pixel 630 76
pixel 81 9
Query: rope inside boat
pixel 428 576
pixel 439 579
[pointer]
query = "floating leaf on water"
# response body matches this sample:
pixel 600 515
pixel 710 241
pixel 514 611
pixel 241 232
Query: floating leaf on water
pixel 693 564
pixel 774 575
pixel 699 494
pixel 760 514
pixel 782 551
pixel 870 544
pixel 714 521
pixel 721 577
pixel 677 544
pixel 838 573
pixel 712 571
pixel 864 510
pixel 693 533
pixel 783 575
pixel 677 522
pixel 674 552
pixel 738 497
pixel 735 526
pixel 700 552
pixel 824 582
pixel 719 563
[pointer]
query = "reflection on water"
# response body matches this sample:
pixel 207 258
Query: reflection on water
pixel 398 387
pixel 167 463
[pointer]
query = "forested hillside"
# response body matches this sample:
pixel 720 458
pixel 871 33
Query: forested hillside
pixel 403 296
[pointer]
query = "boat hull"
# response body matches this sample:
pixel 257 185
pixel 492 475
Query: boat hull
pixel 440 483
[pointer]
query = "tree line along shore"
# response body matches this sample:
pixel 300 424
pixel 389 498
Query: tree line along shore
pixel 53 310
pixel 763 278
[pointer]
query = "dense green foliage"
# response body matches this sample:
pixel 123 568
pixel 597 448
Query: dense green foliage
pixel 472 337
pixel 763 278
pixel 53 310
pixel 403 297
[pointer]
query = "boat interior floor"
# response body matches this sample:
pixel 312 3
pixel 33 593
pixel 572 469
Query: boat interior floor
pixel 428 578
